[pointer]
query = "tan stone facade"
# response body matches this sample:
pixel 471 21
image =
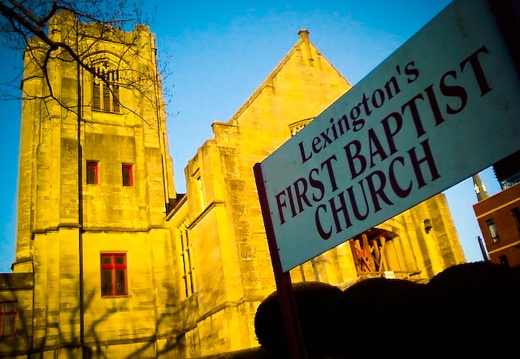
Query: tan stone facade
pixel 231 259
pixel 122 266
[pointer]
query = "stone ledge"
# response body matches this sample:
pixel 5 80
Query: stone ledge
pixel 12 281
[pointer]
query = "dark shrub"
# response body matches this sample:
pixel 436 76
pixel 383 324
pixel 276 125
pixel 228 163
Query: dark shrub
pixel 318 308
pixel 374 312
pixel 469 302
pixel 468 309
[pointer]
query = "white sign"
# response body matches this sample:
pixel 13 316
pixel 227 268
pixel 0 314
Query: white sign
pixel 444 106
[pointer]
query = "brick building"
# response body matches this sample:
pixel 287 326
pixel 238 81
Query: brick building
pixel 498 216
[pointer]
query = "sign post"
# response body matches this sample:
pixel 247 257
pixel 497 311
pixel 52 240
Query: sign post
pixel 286 300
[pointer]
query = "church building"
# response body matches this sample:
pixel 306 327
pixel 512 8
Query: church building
pixel 112 262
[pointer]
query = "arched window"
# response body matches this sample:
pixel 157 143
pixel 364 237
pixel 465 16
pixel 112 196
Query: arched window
pixel 296 127
pixel 105 89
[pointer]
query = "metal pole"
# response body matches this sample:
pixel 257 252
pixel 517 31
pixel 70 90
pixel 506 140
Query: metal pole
pixel 483 249
pixel 80 205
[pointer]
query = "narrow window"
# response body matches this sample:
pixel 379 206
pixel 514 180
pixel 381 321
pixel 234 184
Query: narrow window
pixel 492 230
pixel 199 193
pixel 113 274
pixel 92 172
pixel 115 98
pixel 503 260
pixel 128 179
pixel 186 260
pixel 8 313
pixel 105 90
pixel 516 217
pixel 96 95
pixel 106 98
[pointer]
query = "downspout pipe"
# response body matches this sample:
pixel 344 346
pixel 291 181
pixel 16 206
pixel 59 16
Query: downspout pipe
pixel 483 249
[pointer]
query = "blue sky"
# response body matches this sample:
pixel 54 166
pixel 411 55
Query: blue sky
pixel 216 54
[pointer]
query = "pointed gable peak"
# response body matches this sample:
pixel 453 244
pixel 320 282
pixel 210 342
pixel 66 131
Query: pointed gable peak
pixel 304 38
pixel 304 34
pixel 302 50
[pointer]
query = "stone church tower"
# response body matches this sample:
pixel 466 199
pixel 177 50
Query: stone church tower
pixel 112 263
pixel 95 183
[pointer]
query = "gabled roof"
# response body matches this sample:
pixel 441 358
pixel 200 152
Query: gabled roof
pixel 310 48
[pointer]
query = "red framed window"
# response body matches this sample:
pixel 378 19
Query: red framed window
pixel 8 314
pixel 113 274
pixel 128 176
pixel 92 172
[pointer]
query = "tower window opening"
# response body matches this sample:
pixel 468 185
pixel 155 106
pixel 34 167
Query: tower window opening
pixel 92 172
pixel 105 90
pixel 128 179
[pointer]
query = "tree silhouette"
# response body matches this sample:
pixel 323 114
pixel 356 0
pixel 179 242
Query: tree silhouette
pixel 28 27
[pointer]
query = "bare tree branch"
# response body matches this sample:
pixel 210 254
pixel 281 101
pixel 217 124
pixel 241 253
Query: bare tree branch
pixel 29 19
pixel 13 17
